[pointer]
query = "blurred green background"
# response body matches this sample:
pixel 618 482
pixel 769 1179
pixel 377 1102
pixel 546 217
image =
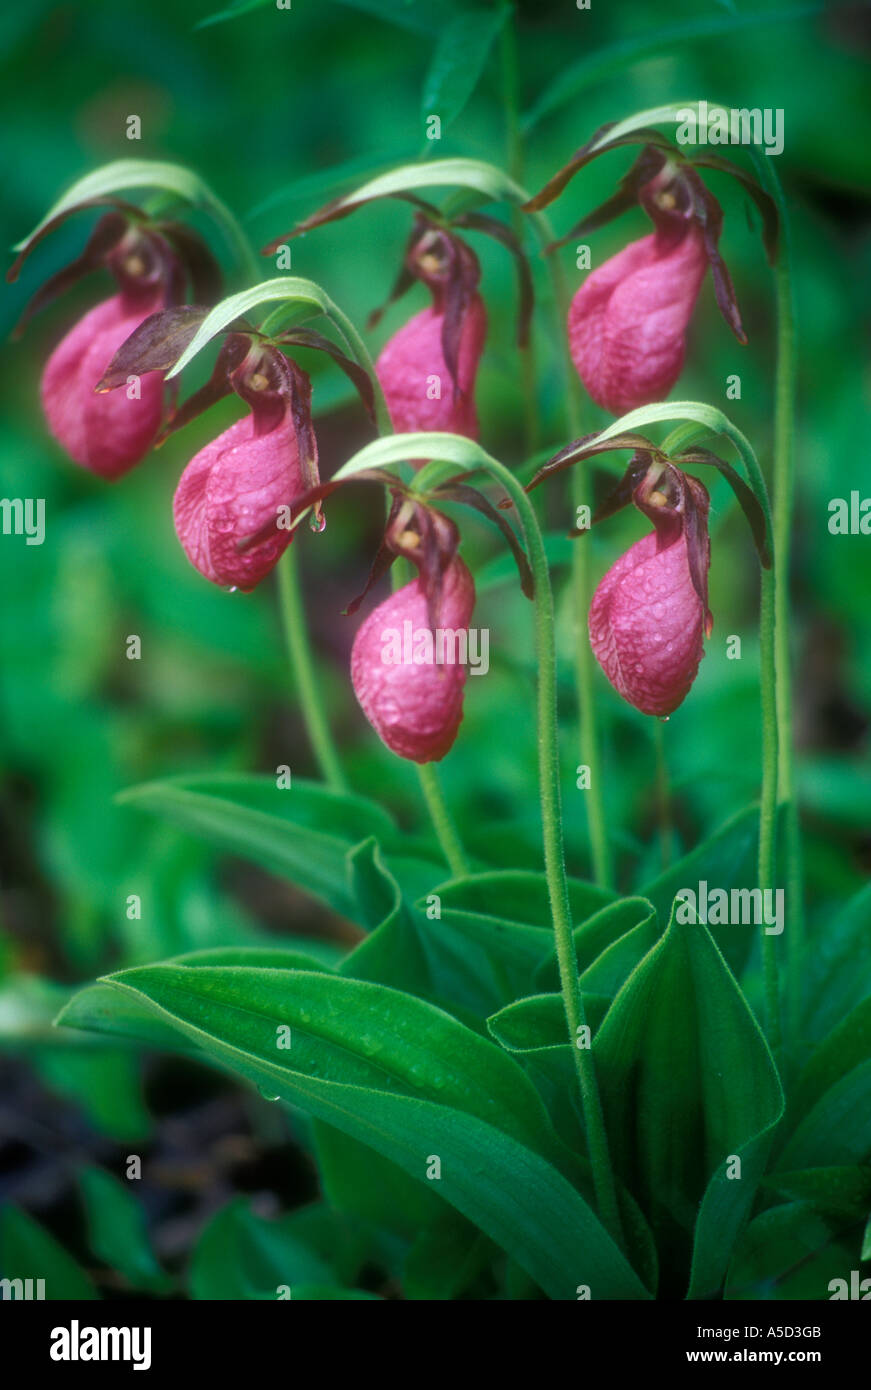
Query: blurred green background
pixel 277 111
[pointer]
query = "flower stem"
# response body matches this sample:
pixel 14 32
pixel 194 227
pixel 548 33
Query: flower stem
pixel 582 591
pixel 296 635
pixel 663 795
pixel 443 823
pixel 784 411
pixel 768 808
pixel 554 856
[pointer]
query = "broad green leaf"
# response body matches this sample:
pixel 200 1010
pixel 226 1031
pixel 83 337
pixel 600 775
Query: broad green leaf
pixel 725 860
pixel 28 1251
pixel 361 1183
pixel 538 1023
pixel 117 1232
pixel 508 912
pixel 668 1057
pixel 836 1191
pixel 838 1128
pixel 391 954
pixel 240 1255
pixel 460 57
pixel 445 1260
pixel 303 832
pixel 792 1252
pixel 598 935
pixel 838 967
pixel 344 1030
pixel 512 1193
pixel 846 1047
pixel 100 1008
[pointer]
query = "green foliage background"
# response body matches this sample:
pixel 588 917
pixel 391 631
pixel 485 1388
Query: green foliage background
pixel 274 109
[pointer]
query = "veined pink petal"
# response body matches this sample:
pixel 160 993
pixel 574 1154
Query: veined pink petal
pixel 110 432
pixel 232 489
pixel 628 321
pixel 414 355
pixel 415 709
pixel 646 625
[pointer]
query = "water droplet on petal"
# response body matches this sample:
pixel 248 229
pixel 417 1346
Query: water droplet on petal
pixel 663 718
pixel 318 522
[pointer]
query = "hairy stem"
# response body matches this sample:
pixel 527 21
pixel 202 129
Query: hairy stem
pixel 554 856
pixel 296 635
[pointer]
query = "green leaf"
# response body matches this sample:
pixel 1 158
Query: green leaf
pixel 846 1047
pixel 345 1030
pixel 597 935
pixel 668 1054
pixel 361 1183
pixel 391 954
pixel 240 1255
pixel 122 175
pixel 27 1251
pixel 117 1232
pixel 485 182
pixel 726 859
pixel 508 914
pixel 838 1128
pixel 445 1260
pixel 792 1252
pixel 459 59
pixel 294 294
pixel 833 1191
pixel 538 1023
pixel 302 833
pixel 838 968
pixel 375 1038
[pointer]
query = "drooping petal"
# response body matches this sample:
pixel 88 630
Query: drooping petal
pixel 111 431
pixel 232 489
pixel 646 625
pixel 628 321
pixel 413 358
pixel 415 708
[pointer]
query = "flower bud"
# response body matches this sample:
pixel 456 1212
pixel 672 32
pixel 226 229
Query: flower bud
pixel 650 612
pixel 111 431
pixel 416 380
pixel 628 320
pixel 232 490
pixel 415 705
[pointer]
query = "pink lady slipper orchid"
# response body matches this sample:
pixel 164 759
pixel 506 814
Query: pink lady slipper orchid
pixel 627 323
pixel 408 659
pixel 428 368
pixel 112 431
pixel 108 431
pixel 232 507
pixel 650 612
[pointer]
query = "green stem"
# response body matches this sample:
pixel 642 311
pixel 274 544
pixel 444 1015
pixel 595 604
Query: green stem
pixel 554 854
pixel 663 795
pixel 443 823
pixel 784 487
pixel 296 635
pixel 768 808
pixel 784 413
pixel 582 592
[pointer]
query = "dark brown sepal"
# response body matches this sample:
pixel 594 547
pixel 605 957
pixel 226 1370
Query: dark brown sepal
pixel 155 346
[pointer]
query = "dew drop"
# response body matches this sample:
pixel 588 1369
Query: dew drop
pixel 663 718
pixel 318 523
pixel 267 1095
